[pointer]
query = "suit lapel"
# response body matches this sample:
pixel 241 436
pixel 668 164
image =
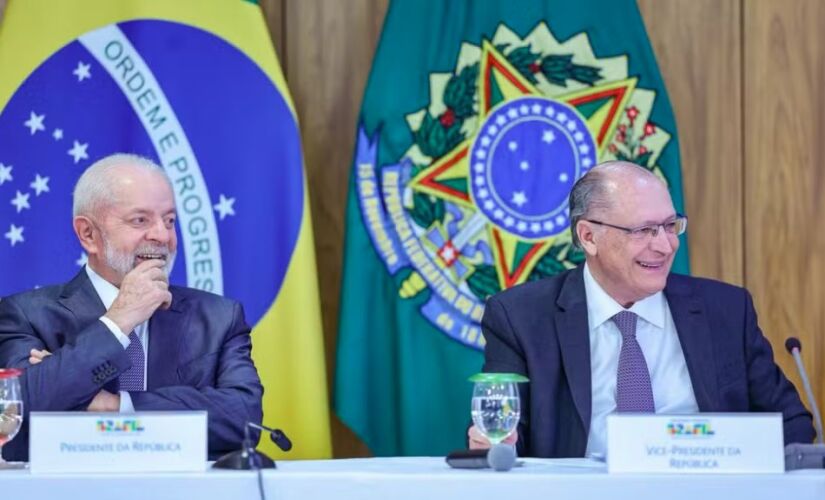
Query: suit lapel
pixel 696 339
pixel 80 297
pixel 574 340
pixel 166 335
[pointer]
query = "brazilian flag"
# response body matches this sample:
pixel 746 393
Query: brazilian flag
pixel 196 86
pixel 477 119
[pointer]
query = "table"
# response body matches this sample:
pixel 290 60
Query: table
pixel 417 478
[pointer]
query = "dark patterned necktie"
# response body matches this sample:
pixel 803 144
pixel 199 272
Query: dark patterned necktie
pixel 633 390
pixel 132 379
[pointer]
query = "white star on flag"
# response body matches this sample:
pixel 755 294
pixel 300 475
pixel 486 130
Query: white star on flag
pixel 548 136
pixel 78 151
pixel 82 71
pixel 15 235
pixel 40 185
pixel 519 198
pixel 57 134
pixel 21 201
pixel 5 173
pixel 225 206
pixel 35 122
pixel 82 260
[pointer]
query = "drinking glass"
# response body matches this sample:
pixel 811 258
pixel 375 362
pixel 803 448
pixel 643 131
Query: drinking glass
pixel 496 406
pixel 11 408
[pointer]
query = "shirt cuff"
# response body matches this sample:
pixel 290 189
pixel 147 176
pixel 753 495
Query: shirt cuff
pixel 126 405
pixel 116 331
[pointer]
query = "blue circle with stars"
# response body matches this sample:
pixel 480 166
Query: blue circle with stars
pixel 525 159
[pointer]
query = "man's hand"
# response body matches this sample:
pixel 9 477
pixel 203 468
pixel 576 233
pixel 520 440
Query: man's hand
pixel 105 401
pixel 36 356
pixel 479 442
pixel 143 290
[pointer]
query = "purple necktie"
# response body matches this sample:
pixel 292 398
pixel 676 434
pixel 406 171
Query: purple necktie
pixel 633 390
pixel 132 379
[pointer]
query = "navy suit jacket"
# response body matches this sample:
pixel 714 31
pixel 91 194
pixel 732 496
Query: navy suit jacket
pixel 540 330
pixel 199 358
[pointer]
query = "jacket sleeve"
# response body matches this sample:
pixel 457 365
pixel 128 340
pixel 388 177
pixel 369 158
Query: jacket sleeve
pixel 231 400
pixel 72 375
pixel 504 354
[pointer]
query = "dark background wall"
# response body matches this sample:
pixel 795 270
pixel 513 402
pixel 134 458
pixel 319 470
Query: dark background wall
pixel 745 80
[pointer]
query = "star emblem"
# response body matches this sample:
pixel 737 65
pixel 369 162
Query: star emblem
pixel 15 235
pixel 5 173
pixel 35 122
pixel 82 71
pixel 57 134
pixel 21 201
pixel 448 177
pixel 225 207
pixel 78 151
pixel 519 198
pixel 40 185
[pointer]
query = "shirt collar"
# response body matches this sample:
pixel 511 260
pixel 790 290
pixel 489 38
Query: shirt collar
pixel 601 306
pixel 105 290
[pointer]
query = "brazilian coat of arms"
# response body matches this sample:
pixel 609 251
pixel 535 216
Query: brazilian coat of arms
pixel 478 203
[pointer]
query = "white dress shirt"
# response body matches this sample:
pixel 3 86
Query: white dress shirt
pixel 656 333
pixel 108 293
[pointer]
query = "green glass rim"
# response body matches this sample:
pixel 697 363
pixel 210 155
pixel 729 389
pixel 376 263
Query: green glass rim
pixel 498 378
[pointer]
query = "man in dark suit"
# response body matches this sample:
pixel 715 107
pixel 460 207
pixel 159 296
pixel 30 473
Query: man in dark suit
pixel 117 337
pixel 622 333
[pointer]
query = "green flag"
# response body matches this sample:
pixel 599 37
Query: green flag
pixel 477 119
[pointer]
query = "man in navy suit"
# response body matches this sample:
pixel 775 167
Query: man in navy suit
pixel 117 337
pixel 622 333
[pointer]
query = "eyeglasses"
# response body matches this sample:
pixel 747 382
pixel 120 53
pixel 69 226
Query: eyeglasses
pixel 676 226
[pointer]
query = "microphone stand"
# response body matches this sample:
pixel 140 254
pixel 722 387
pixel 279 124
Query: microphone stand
pixel 248 458
pixel 802 455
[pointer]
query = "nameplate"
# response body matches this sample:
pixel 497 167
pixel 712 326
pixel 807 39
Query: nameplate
pixel 704 443
pixel 63 442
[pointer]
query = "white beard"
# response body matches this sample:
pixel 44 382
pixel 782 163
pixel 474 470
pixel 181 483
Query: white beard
pixel 122 262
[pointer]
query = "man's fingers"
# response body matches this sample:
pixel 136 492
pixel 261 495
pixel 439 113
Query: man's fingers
pixel 167 301
pixel 477 440
pixel 36 356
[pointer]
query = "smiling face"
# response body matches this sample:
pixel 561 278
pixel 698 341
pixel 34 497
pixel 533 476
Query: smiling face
pixel 628 269
pixel 137 224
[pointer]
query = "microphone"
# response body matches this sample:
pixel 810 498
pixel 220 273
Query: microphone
pixel 500 457
pixel 794 346
pixel 799 455
pixel 248 457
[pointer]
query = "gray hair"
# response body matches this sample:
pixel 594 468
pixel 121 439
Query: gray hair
pixel 590 194
pixel 94 188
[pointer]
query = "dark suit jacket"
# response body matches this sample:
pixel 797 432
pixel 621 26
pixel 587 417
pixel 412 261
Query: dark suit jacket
pixel 540 330
pixel 199 358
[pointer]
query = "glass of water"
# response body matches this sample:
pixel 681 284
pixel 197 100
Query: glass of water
pixel 11 407
pixel 496 405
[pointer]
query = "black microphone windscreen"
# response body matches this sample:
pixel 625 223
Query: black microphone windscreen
pixel 793 343
pixel 279 438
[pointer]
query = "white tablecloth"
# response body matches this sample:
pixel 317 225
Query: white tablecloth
pixel 419 478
